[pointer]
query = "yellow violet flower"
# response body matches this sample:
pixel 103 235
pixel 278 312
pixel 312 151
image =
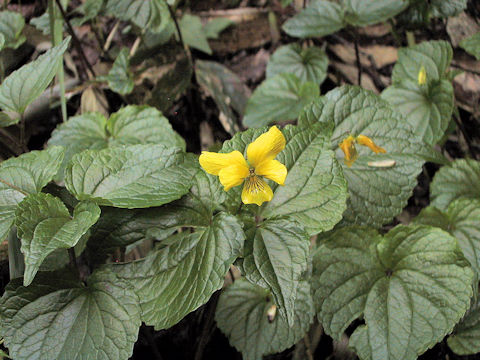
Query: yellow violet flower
pixel 348 147
pixel 232 169
pixel 422 76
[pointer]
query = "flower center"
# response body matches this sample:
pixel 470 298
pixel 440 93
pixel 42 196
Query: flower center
pixel 252 171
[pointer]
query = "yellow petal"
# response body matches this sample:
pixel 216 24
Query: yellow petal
pixel 366 141
pixel 212 162
pixel 422 76
pixel 266 146
pixel 233 175
pixel 256 191
pixel 273 170
pixel 348 148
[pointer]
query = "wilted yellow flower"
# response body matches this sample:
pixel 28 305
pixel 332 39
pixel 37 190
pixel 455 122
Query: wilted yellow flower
pixel 422 76
pixel 348 147
pixel 366 141
pixel 232 168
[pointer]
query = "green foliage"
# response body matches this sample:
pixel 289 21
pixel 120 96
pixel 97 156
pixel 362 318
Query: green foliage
pixel 319 18
pixel 23 175
pixel 242 316
pixel 24 85
pixel 412 281
pixel 460 179
pixel 130 125
pixel 11 26
pixel 377 194
pixel 193 33
pixel 135 176
pixel 465 339
pixel 279 98
pixel 275 257
pixel 308 64
pixel 120 78
pixel 462 220
pixel 324 17
pixel 57 317
pixel 227 90
pixel 44 225
pixel 471 45
pixel 184 271
pixel 152 14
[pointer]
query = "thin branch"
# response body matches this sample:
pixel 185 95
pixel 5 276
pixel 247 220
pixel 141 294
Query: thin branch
pixel 110 36
pixel 76 41
pixel 358 62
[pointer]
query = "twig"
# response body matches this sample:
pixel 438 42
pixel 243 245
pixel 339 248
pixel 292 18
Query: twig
pixel 464 69
pixel 110 36
pixel 73 260
pixel 76 41
pixel 358 62
pixel 207 326
pixel 180 37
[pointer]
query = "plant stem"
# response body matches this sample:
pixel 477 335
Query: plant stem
pixel 56 32
pixel 73 260
pixel 180 37
pixel 23 144
pixel 16 263
pixel 410 38
pixel 76 41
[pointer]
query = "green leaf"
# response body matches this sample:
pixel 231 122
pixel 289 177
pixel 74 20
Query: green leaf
pixel 308 64
pixel 215 26
pixel 446 8
pixel 11 26
pixel 185 271
pixel 142 125
pixel 368 12
pixel 227 90
pixel 242 316
pixel 120 78
pixel 428 108
pixel 465 339
pixel 24 85
pixel 193 33
pixel 377 194
pixel 275 258
pixel 130 125
pixel 44 225
pixel 135 176
pixel 90 10
pixel 315 191
pixel 57 317
pixel 150 14
pixel 460 179
pixel 462 220
pixel 412 281
pixel 279 98
pixel 23 175
pixel 434 56
pixel 471 45
pixel 318 19
pixel 122 227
